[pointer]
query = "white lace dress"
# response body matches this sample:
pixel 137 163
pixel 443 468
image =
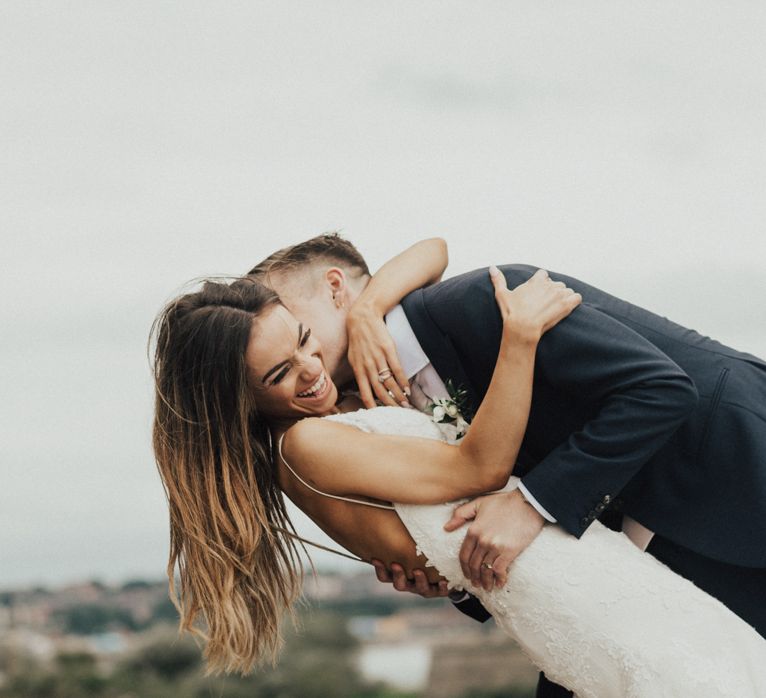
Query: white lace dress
pixel 596 614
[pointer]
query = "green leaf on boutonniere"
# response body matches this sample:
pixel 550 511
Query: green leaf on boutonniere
pixel 449 412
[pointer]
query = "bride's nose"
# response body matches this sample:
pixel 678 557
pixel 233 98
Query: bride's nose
pixel 310 365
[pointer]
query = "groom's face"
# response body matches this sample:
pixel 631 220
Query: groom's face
pixel 309 297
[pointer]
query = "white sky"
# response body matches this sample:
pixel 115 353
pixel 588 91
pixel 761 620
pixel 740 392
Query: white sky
pixel 145 143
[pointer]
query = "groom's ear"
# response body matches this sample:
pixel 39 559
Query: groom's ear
pixel 334 278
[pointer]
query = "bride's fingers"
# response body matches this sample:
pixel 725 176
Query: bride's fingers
pixel 564 305
pixel 498 280
pixel 387 386
pixel 402 384
pixel 363 385
pixel 375 366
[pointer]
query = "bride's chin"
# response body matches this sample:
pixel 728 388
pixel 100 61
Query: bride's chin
pixel 321 408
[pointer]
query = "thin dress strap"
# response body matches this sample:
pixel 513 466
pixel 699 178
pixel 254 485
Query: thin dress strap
pixel 294 536
pixel 325 494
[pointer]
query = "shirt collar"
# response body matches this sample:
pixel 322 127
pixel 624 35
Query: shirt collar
pixel 411 355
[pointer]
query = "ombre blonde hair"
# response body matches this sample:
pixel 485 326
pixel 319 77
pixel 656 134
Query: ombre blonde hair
pixel 230 541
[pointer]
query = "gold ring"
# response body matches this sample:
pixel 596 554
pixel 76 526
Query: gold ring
pixel 486 565
pixel 384 374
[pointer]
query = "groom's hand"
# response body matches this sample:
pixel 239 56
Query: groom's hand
pixel 419 583
pixel 503 526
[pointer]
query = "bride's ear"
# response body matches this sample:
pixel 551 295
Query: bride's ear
pixel 335 279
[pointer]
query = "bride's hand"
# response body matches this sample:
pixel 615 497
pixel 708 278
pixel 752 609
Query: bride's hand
pixel 370 352
pixel 532 308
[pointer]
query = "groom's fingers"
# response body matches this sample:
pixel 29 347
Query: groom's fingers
pixel 461 515
pixel 500 568
pixel 487 574
pixel 400 581
pixel 479 555
pixel 467 551
pixel 419 583
pixel 382 572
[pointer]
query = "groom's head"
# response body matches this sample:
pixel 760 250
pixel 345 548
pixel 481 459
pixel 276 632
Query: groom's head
pixel 318 280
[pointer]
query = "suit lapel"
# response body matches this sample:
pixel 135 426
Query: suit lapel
pixel 438 348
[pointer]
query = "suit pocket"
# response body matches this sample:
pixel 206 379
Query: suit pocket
pixel 715 399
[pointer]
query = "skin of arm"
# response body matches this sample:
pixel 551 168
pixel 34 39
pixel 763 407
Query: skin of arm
pixel 370 347
pixel 371 534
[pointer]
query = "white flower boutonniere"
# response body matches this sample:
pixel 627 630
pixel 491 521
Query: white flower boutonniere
pixel 448 412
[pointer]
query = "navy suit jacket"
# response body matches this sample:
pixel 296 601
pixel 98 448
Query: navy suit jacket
pixel 629 412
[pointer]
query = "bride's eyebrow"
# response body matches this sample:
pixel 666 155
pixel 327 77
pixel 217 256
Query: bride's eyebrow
pixel 273 369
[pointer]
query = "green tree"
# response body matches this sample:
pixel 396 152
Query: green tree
pixel 168 659
pixel 74 676
pixel 86 619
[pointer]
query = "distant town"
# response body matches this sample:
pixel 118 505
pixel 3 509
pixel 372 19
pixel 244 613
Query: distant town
pixel 357 637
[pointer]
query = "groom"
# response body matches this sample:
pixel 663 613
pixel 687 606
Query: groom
pixel 632 416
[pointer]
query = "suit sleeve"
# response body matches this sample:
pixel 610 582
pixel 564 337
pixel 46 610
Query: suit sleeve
pixel 641 398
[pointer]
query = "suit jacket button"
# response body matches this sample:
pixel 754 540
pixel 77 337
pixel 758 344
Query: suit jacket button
pixel 584 521
pixel 607 498
pixel 600 507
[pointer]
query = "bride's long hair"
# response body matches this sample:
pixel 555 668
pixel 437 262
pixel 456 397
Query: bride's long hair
pixel 239 570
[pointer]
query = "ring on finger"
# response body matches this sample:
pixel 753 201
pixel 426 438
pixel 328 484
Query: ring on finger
pixel 486 565
pixel 384 374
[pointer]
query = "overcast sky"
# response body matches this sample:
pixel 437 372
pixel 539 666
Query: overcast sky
pixel 144 144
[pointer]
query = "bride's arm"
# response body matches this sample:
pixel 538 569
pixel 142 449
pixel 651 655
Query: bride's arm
pixel 370 346
pixel 342 460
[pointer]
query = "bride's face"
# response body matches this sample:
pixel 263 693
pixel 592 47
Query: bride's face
pixel 286 368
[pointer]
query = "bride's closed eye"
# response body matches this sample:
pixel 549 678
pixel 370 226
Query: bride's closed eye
pixel 286 369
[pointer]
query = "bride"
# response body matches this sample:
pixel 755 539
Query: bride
pixel 246 410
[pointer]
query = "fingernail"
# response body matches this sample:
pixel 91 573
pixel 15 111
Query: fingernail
pixel 407 390
pixel 493 270
pixel 404 403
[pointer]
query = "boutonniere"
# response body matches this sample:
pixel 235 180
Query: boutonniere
pixel 448 412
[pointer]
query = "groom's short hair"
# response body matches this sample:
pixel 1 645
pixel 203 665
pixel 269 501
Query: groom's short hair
pixel 329 248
